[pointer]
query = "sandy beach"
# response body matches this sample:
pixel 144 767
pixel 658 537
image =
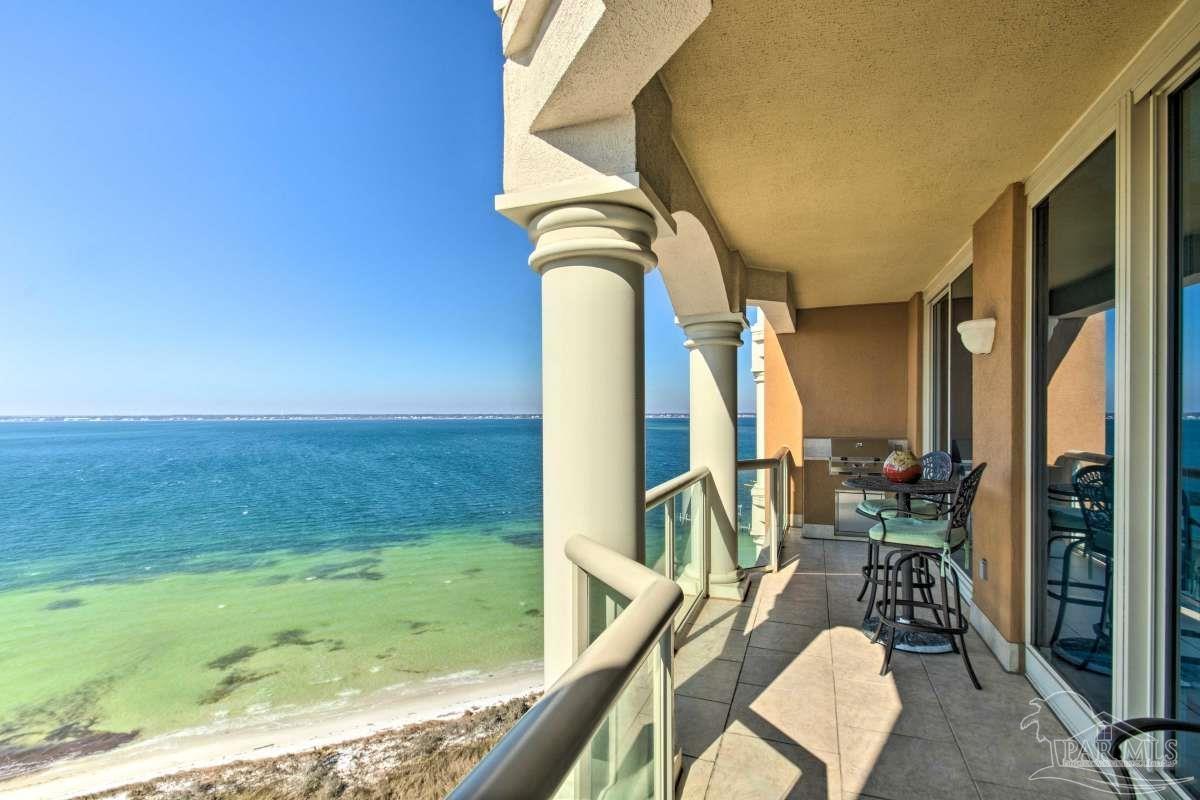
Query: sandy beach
pixel 275 736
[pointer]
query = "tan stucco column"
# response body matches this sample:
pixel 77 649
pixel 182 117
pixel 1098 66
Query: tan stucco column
pixel 998 518
pixel 713 340
pixel 592 258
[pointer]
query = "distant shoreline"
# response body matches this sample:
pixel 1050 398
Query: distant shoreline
pixel 293 417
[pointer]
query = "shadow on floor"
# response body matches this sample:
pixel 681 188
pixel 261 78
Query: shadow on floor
pixel 780 697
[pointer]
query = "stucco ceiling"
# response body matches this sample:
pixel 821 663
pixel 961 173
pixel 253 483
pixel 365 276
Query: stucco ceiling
pixel 855 143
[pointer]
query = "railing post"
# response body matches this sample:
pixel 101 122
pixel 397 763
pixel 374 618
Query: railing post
pixel 664 719
pixel 785 489
pixel 669 533
pixel 705 535
pixel 773 517
pixel 783 507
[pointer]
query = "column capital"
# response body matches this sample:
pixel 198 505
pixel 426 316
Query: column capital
pixel 758 331
pixel 591 230
pixel 721 328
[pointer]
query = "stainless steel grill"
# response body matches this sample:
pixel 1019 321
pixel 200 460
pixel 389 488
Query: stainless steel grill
pixel 851 455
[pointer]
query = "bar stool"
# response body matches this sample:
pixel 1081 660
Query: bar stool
pixel 936 465
pixel 922 542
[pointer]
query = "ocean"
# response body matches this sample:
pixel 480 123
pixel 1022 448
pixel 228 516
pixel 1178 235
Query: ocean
pixel 163 576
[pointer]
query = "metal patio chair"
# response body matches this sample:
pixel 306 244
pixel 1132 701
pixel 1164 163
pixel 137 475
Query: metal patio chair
pixel 921 543
pixel 936 465
pixel 1111 740
pixel 1093 488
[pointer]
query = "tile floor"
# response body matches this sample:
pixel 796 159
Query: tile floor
pixel 780 697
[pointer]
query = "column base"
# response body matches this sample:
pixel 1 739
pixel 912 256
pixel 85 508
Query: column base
pixel 729 587
pixel 690 585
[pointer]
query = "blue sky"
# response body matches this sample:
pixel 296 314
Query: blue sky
pixel 261 207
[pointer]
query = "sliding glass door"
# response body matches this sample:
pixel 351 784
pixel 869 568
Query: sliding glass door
pixel 939 318
pixel 951 385
pixel 1074 240
pixel 1185 402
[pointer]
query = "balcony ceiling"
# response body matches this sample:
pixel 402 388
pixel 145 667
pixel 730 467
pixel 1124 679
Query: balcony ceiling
pixel 855 144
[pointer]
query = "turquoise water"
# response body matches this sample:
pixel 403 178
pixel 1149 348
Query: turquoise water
pixel 160 576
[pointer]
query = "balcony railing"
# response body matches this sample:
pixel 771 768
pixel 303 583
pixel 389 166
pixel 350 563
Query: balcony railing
pixel 677 520
pixel 772 478
pixel 606 727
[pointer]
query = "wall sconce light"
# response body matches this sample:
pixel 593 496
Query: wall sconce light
pixel 978 335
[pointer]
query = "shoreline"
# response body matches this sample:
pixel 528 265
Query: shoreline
pixel 197 749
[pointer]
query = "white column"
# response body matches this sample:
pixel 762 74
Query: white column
pixel 758 493
pixel 713 340
pixel 592 258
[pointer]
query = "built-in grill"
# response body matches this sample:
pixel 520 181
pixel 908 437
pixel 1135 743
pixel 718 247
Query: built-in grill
pixel 852 455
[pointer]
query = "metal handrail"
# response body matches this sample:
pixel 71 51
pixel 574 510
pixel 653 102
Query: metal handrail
pixel 764 463
pixel 538 753
pixel 674 485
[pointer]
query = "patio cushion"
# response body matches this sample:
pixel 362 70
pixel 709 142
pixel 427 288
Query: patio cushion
pixel 909 532
pixel 871 508
pixel 1067 518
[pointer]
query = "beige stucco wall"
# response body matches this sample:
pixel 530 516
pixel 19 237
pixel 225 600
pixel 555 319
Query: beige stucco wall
pixel 998 421
pixel 845 371
pixel 783 424
pixel 1075 398
pixel 849 366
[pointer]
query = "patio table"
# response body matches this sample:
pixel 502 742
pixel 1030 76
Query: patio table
pixel 909 641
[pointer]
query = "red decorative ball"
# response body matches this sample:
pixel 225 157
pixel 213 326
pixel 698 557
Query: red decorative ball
pixel 902 467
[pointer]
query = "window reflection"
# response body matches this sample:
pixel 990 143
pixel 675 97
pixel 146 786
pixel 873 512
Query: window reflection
pixel 1185 108
pixel 961 300
pixel 941 372
pixel 1074 235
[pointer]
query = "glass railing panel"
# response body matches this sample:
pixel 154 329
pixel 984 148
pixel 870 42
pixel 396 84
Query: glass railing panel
pixel 752 523
pixel 675 531
pixel 657 525
pixel 688 517
pixel 604 604
pixel 622 759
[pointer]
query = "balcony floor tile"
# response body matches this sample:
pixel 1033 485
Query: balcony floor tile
pixel 749 768
pixel 781 696
pixel 693 781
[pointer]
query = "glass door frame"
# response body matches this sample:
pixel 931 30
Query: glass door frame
pixel 1067 703
pixel 940 290
pixel 1169 576
pixel 931 433
pixel 1134 110
pixel 1164 108
pixel 1108 121
pixel 1150 679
